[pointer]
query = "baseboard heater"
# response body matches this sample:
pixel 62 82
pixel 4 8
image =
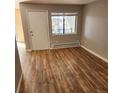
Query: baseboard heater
pixel 65 45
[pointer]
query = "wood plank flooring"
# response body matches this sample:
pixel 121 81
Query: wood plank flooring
pixel 69 70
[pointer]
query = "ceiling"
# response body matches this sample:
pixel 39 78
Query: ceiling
pixel 55 2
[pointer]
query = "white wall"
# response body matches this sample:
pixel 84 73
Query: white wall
pixel 95 27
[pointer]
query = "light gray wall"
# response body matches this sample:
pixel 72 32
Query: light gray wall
pixel 52 8
pixel 95 27
pixel 18 70
pixel 92 24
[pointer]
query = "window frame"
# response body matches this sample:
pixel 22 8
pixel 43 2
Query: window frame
pixel 65 14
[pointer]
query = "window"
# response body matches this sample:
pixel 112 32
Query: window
pixel 64 23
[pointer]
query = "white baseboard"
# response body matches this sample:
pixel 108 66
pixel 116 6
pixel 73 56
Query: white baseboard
pixel 92 52
pixel 64 47
pixel 19 84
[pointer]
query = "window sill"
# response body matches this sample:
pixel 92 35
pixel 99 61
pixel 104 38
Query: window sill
pixel 64 34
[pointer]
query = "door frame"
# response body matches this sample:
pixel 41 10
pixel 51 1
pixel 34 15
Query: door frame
pixel 48 35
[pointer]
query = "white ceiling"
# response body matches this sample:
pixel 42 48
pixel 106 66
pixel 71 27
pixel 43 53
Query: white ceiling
pixel 56 1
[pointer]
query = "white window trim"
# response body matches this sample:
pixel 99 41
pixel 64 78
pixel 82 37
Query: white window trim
pixel 65 14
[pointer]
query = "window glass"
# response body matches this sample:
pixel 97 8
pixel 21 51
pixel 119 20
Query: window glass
pixel 70 25
pixel 57 24
pixel 64 24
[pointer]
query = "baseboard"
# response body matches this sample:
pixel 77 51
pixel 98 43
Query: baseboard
pixel 64 47
pixel 19 84
pixel 92 52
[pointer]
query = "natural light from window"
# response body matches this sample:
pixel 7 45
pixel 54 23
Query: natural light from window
pixel 64 24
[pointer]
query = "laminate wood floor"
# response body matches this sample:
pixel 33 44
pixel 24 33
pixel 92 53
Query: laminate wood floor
pixel 69 70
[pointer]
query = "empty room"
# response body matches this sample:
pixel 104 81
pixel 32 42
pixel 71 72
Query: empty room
pixel 61 46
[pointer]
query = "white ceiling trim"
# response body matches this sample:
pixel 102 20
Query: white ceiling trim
pixel 77 2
